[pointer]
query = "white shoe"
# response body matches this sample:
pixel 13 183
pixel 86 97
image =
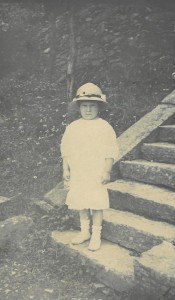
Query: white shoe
pixel 84 234
pixel 81 238
pixel 95 241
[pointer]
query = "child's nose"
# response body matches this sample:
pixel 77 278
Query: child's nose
pixel 88 108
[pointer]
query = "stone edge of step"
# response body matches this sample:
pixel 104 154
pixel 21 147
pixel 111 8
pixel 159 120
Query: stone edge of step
pixel 159 262
pixel 143 191
pixel 163 145
pixel 140 224
pixel 111 273
pixel 143 162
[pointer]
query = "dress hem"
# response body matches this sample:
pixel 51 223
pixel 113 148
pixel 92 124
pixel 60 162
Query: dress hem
pixel 91 208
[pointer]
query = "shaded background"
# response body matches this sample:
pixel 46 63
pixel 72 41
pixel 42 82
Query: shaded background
pixel 48 49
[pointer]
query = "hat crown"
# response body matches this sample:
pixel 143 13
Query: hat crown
pixel 89 91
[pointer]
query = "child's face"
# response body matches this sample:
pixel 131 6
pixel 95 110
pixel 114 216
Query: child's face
pixel 89 110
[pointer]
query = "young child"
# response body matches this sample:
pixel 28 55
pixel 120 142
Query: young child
pixel 89 150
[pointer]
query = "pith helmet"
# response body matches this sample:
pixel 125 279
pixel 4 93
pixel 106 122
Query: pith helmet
pixel 88 92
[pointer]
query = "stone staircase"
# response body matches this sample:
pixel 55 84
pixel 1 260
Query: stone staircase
pixel 143 201
pixel 137 257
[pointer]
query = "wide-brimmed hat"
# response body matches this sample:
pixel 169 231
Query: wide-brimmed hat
pixel 89 91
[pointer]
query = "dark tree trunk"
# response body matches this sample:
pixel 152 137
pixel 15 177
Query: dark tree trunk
pixel 72 55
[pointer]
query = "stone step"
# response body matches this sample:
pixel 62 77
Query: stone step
pixel 10 207
pixel 135 232
pixel 57 195
pixel 143 199
pixel 111 264
pixel 160 152
pixel 155 273
pixel 167 133
pixel 149 172
pixel 132 231
pixel 42 206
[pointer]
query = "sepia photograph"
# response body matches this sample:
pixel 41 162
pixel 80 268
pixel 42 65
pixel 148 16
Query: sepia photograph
pixel 87 150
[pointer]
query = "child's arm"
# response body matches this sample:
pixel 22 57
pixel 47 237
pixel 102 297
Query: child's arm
pixel 106 176
pixel 66 169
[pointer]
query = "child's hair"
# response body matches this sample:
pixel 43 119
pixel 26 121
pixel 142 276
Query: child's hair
pixel 100 104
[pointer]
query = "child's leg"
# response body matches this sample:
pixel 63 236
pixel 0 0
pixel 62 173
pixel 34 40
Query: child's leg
pixel 97 217
pixel 84 234
pixel 84 214
pixel 95 242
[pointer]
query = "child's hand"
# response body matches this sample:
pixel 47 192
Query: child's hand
pixel 106 177
pixel 66 175
pixel 66 184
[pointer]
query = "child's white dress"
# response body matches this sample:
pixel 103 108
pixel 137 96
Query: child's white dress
pixel 86 144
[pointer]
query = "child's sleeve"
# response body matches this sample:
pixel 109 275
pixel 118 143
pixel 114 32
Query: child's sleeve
pixel 111 146
pixel 64 147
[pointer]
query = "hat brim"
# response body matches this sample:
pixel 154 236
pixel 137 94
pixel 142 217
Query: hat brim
pixel 73 106
pixel 89 99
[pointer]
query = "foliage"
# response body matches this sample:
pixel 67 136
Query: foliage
pixel 119 52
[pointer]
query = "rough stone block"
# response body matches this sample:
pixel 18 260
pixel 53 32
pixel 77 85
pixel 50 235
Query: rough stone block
pixel 155 273
pixel 132 138
pixel 167 133
pixel 43 207
pixel 143 199
pixel 170 98
pixel 13 230
pixel 57 196
pixel 10 207
pixel 149 172
pixel 111 264
pixel 160 152
pixel 135 232
pixel 132 231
